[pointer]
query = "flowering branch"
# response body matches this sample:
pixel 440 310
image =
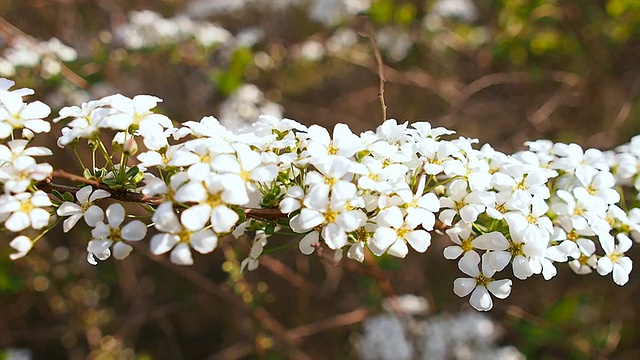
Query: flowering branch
pixel 379 193
pixel 134 197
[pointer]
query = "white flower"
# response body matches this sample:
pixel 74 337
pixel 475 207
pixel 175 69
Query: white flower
pixel 331 176
pixel 85 121
pixel 18 174
pixel 175 237
pixel 213 197
pixel 531 221
pixel 435 153
pixel 332 214
pixel 480 284
pixel 292 201
pixel 18 148
pixel 615 261
pixel 17 115
pixel 467 205
pixel 460 235
pixel 91 213
pixel 135 114
pixel 420 207
pixel 581 208
pixel 259 242
pixel 25 210
pixel 598 183
pixel 321 145
pixel 394 231
pixel 105 235
pixel 22 245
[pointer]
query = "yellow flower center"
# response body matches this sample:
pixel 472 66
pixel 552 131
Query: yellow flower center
pixel 466 245
pixel 25 206
pixel 483 280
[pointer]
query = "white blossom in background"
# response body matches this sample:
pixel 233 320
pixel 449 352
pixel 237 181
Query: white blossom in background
pixel 148 29
pixel 24 52
pixel 331 12
pixel 439 336
pixel 245 105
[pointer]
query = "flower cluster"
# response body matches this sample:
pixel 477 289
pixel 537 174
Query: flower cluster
pixel 377 193
pixel 147 29
pixel 25 52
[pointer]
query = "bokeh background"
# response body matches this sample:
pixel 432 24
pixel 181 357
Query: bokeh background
pixel 502 71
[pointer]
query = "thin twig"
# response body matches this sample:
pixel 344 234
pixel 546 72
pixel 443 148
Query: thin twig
pixel 245 348
pixel 130 196
pixel 352 317
pixel 280 269
pixel 266 320
pixel 372 269
pixel 370 33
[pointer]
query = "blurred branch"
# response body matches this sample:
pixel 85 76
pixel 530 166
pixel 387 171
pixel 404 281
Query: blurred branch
pixel 558 98
pixel 447 90
pixel 370 33
pixel 280 269
pixel 10 33
pixel 266 320
pixel 243 349
pixel 352 317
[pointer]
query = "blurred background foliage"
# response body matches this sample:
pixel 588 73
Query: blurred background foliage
pixel 502 71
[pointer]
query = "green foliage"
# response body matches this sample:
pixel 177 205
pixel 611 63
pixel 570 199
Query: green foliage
pixel 393 12
pixel 231 78
pixel 9 281
pixel 570 329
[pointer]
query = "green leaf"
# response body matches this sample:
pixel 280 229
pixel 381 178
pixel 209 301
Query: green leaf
pixel 57 194
pixel 68 197
pixel 132 172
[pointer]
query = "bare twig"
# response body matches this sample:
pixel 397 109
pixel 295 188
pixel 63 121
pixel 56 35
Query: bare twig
pixel 445 89
pixel 245 348
pixel 373 270
pixel 352 317
pixel 266 320
pixel 370 33
pixel 280 269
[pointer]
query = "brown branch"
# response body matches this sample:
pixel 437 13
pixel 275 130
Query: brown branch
pixel 280 269
pixel 446 90
pixel 243 349
pixel 130 196
pixel 120 195
pixel 376 51
pixel 352 317
pixel 266 320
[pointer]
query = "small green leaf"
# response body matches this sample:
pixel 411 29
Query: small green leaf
pixel 57 194
pixel 132 172
pixel 68 197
